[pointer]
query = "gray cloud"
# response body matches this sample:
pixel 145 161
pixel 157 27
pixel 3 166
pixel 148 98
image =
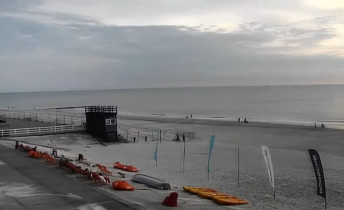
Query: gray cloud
pixel 18 5
pixel 42 51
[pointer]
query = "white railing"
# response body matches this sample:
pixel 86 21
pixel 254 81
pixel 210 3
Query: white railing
pixel 41 130
pixel 58 118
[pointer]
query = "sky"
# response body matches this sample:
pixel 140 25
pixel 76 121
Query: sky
pixel 50 45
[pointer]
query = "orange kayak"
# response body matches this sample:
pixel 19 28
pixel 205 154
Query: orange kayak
pixel 122 185
pixel 34 154
pixel 131 169
pixel 118 165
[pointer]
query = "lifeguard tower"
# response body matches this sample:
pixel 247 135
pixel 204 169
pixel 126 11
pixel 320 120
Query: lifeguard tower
pixel 101 121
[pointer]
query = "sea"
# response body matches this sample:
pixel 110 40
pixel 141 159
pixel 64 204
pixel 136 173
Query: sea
pixel 298 104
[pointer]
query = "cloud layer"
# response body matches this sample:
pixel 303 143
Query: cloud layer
pixel 68 45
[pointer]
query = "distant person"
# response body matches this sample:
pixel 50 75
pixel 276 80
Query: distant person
pixel 245 120
pixel 315 125
pixel 191 116
pixel 134 139
pixel 322 125
pixel 145 138
pixel 80 157
pixel 183 138
pixel 54 152
pixel 238 119
pixel 177 138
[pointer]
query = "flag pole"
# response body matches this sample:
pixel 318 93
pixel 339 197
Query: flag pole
pixel 212 141
pixel 184 156
pixel 156 160
pixel 238 167
pixel 156 152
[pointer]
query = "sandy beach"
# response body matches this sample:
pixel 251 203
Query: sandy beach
pixel 294 178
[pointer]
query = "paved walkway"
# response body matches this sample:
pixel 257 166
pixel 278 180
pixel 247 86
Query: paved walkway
pixel 27 183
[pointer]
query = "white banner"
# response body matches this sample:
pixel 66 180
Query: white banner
pixel 268 162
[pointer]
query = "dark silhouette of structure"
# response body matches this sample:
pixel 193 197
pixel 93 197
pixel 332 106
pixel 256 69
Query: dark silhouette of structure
pixel 101 121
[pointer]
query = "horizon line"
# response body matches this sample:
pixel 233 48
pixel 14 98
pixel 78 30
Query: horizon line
pixel 143 88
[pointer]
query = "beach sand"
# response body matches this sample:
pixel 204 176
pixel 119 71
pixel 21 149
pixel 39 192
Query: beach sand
pixel 294 177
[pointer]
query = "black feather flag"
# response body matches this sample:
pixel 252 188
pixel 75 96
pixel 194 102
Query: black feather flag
pixel 319 173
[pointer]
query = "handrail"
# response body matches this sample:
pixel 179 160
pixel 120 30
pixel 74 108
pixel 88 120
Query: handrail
pixel 41 130
pixel 62 118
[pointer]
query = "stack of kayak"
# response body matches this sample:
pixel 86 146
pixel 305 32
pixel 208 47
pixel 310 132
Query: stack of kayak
pixel 218 197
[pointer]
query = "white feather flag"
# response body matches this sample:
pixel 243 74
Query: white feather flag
pixel 268 162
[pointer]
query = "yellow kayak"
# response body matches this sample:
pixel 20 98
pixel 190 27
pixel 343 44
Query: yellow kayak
pixel 209 194
pixel 229 200
pixel 197 190
pixel 190 189
pixel 218 197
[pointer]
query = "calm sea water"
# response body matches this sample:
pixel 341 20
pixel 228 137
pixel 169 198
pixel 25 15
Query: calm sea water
pixel 323 103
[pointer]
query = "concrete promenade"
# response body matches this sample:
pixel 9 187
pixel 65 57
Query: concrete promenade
pixel 27 183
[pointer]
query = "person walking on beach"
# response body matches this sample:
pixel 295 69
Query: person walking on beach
pixel 183 138
pixel 177 138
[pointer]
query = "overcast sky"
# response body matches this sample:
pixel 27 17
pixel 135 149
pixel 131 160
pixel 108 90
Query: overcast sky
pixel 48 45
